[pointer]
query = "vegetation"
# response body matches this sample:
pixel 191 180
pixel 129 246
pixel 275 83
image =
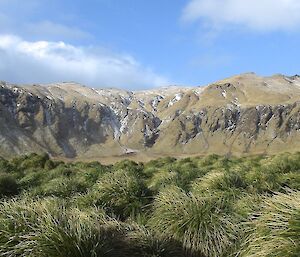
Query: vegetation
pixel 195 207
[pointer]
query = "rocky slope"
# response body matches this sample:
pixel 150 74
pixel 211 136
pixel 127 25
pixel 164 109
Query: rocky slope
pixel 245 114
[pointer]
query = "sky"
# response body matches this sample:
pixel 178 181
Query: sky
pixel 140 44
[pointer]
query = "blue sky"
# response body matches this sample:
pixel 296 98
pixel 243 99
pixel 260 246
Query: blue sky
pixel 138 44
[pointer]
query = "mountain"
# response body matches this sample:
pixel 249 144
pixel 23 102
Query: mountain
pixel 244 114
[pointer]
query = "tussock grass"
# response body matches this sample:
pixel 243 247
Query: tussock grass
pixel 8 185
pixel 50 228
pixel 212 180
pixel 163 178
pixel 204 224
pixel 195 207
pixel 149 243
pixel 120 192
pixel 219 181
pixel 276 229
pixel 47 228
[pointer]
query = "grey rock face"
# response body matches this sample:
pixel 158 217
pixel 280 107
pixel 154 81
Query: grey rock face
pixel 71 120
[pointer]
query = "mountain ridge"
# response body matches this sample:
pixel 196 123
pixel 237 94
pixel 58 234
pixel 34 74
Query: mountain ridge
pixel 241 115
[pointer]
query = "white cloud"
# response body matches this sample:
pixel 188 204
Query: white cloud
pixel 262 15
pixel 35 21
pixel 51 30
pixel 44 62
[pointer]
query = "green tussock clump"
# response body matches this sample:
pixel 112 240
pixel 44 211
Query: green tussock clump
pixel 210 206
pixel 52 228
pixel 8 185
pixel 276 230
pixel 204 224
pixel 162 179
pixel 149 243
pixel 121 193
pixel 49 228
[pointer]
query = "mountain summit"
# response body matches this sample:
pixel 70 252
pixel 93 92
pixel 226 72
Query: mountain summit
pixel 244 114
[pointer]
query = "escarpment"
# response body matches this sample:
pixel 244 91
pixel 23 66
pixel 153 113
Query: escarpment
pixel 241 115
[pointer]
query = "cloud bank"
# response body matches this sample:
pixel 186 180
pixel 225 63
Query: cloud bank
pixel 23 61
pixel 260 15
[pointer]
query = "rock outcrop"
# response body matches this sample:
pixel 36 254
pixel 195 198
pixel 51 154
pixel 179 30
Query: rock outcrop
pixel 245 114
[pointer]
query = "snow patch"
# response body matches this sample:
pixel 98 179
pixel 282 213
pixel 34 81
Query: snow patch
pixel 154 103
pixel 177 98
pixel 124 124
pixel 236 102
